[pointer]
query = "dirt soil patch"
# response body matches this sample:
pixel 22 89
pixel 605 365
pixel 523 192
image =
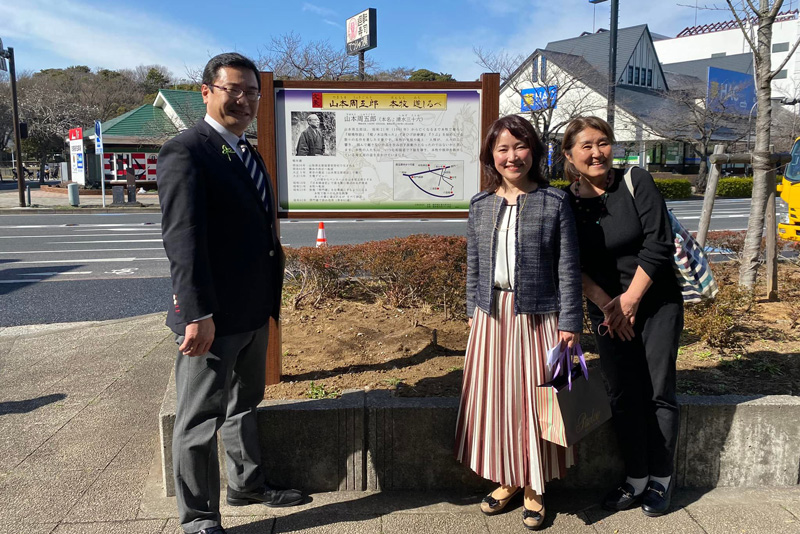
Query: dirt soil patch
pixel 356 344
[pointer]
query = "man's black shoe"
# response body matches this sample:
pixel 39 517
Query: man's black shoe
pixel 212 530
pixel 621 498
pixel 655 500
pixel 266 495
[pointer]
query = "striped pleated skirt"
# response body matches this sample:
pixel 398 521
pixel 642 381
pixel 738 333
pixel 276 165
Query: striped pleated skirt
pixel 497 433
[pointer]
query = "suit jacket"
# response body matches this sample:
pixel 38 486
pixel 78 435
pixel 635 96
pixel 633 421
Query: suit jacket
pixel 223 249
pixel 310 143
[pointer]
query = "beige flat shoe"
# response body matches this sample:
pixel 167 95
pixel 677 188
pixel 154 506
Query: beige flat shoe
pixel 532 520
pixel 491 506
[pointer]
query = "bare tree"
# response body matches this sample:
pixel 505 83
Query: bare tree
pixel 685 115
pixel 764 15
pixel 291 59
pixel 563 82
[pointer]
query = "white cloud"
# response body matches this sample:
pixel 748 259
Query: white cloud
pixel 319 10
pixel 80 33
pixel 333 23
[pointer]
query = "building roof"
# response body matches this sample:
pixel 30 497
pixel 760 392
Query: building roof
pixel 171 112
pixel 187 105
pixel 594 47
pixel 146 121
pixel 699 67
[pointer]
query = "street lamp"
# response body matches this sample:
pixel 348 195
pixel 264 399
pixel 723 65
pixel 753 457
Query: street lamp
pixel 9 55
pixel 612 59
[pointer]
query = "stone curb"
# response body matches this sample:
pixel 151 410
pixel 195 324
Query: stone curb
pixel 374 441
pixel 72 211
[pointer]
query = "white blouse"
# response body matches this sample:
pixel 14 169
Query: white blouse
pixel 506 248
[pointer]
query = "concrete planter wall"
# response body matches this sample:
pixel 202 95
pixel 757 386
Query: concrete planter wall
pixel 373 441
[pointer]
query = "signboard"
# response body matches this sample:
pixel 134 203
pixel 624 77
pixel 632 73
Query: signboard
pixel 375 150
pixel 2 57
pixel 98 138
pixel 362 32
pixel 730 92
pixel 673 153
pixel 539 98
pixel 76 156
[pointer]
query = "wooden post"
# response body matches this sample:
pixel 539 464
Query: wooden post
pixel 268 150
pixel 771 225
pixel 490 107
pixel 708 199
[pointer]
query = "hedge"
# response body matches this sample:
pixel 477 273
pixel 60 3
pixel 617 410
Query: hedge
pixel 674 188
pixel 735 187
pixel 670 188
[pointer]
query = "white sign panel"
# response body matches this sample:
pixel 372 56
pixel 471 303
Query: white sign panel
pixel 373 150
pixel 362 32
pixel 98 138
pixel 76 156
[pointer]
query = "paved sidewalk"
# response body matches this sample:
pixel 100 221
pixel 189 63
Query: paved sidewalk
pixel 79 454
pixel 59 202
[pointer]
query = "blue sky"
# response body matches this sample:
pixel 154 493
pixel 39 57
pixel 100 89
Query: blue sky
pixel 434 34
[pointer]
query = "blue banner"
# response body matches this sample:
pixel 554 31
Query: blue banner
pixel 539 98
pixel 730 92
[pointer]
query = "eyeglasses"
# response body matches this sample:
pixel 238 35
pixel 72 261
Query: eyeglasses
pixel 236 94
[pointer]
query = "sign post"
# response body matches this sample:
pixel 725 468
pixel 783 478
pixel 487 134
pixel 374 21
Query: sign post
pixel 98 149
pixel 362 35
pixel 9 54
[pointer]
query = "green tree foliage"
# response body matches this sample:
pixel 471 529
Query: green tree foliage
pixel 425 75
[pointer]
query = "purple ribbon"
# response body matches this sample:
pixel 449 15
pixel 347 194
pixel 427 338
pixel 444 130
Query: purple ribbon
pixel 566 356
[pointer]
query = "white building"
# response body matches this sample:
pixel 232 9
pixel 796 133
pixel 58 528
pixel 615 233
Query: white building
pixel 722 39
pixel 570 78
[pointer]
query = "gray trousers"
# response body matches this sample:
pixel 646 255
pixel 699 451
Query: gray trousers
pixel 217 391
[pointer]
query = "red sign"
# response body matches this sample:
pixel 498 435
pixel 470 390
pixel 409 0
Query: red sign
pixel 76 134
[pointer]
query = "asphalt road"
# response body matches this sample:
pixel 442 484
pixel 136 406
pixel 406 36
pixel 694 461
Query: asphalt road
pixel 66 268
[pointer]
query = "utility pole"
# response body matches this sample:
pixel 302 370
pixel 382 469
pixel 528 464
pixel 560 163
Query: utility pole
pixel 612 60
pixel 9 55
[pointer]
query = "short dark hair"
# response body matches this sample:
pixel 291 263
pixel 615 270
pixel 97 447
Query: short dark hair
pixel 522 130
pixel 576 126
pixel 228 59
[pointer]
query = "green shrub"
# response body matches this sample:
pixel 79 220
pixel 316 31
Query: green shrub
pixel 674 188
pixel 559 184
pixel 735 187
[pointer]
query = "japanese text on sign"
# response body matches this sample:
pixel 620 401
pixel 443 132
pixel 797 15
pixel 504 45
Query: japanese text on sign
pixel 379 101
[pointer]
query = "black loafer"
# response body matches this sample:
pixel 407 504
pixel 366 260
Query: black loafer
pixel 212 530
pixel 267 496
pixel 656 498
pixel 621 498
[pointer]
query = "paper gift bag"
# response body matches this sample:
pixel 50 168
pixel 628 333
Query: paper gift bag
pixel 571 405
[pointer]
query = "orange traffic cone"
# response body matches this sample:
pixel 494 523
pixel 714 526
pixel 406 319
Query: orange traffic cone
pixel 321 241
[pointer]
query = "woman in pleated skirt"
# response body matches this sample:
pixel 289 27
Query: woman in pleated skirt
pixel 523 298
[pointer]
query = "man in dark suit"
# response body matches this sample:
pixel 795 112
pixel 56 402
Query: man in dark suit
pixel 226 265
pixel 311 142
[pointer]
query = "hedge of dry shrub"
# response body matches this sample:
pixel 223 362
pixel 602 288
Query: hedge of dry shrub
pixel 402 272
pixel 424 270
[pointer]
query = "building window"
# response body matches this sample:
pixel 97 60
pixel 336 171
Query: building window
pixel 544 69
pixel 780 47
pixel 649 77
pixel 535 70
pixel 719 54
pixel 630 74
pixel 636 76
pixel 781 75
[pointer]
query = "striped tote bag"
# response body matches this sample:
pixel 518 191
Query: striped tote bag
pixel 691 266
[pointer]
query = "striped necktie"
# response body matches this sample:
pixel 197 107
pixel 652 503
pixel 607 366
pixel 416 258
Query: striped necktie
pixel 255 172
